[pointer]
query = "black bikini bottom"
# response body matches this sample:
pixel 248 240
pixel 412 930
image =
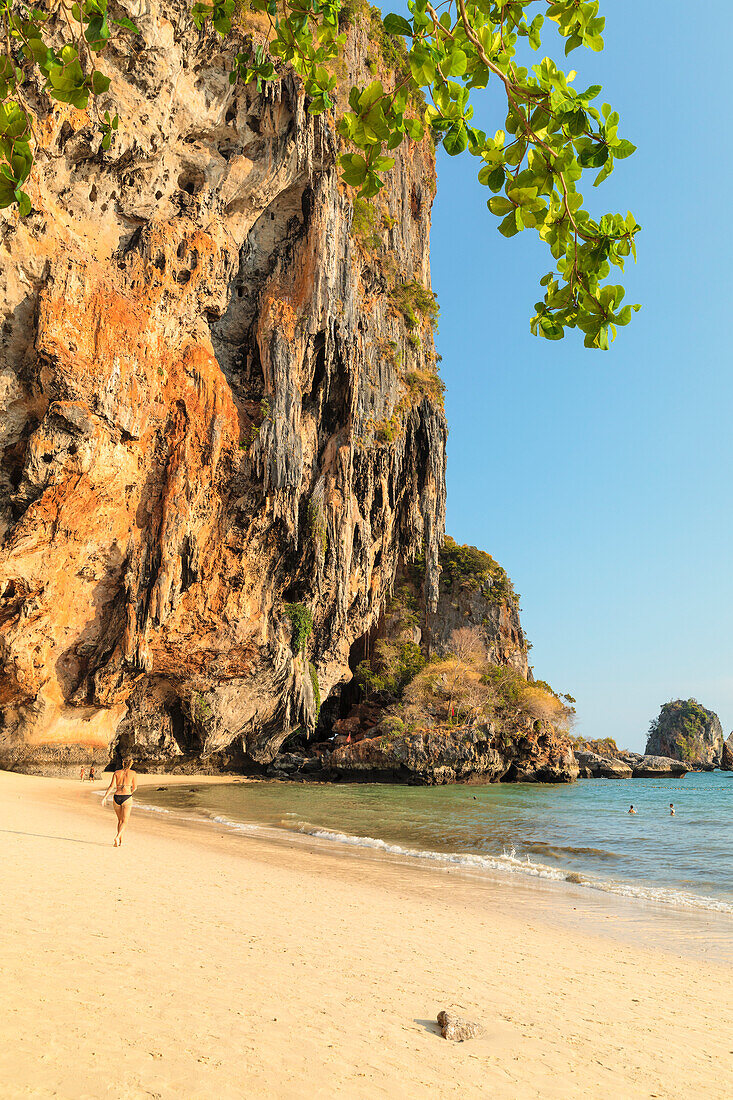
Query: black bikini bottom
pixel 120 798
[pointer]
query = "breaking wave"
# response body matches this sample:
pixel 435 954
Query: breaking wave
pixel 511 863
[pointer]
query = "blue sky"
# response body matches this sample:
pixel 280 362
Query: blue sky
pixel 602 481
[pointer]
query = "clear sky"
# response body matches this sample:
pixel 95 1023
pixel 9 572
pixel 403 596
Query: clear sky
pixel 602 481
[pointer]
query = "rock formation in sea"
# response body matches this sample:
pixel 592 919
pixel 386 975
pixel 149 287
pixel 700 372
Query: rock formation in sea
pixel 687 731
pixel 221 422
pixel 726 756
pixel 653 767
pixel 603 759
pixel 594 765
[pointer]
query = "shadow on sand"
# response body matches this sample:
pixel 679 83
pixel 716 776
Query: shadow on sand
pixel 430 1025
pixel 46 836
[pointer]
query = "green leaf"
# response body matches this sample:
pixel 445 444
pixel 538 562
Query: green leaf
pixel 497 178
pixel 7 192
pixel 100 82
pixel 422 68
pixel 500 206
pixel 456 140
pixel 397 24
pixel 508 228
pixel 370 95
pixel 623 149
pixel 456 64
pixel 24 203
pixel 127 25
pixel 354 169
pixel 97 32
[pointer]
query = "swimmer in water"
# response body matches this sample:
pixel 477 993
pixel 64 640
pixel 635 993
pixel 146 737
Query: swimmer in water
pixel 632 810
pixel 671 809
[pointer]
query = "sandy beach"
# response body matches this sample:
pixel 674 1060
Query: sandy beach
pixel 196 963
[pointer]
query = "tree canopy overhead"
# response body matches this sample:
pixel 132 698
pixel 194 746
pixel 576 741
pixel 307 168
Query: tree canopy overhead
pixel 552 136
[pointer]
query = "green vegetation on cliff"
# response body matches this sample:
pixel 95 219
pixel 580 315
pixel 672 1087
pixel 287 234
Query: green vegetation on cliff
pixel 604 746
pixel 466 566
pixel 302 623
pixel 391 668
pixel 457 688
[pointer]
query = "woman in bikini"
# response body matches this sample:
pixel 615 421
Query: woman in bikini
pixel 124 781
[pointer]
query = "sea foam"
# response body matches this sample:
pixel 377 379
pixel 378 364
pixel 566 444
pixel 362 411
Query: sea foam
pixel 508 862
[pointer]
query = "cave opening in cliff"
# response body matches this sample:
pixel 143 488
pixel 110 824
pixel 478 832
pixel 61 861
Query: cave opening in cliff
pixel 347 695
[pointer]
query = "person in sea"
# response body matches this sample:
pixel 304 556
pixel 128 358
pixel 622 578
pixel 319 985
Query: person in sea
pixel 124 781
pixel 671 809
pixel 632 810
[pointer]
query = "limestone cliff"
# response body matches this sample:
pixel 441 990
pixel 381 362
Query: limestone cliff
pixel 220 419
pixel 686 731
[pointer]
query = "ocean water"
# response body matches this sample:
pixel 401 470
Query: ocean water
pixel 582 830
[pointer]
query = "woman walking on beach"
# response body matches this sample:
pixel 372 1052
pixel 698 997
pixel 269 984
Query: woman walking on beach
pixel 124 781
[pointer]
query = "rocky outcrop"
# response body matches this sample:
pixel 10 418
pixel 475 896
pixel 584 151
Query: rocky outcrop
pixel 653 767
pixel 594 765
pixel 686 731
pixel 726 756
pixel 501 734
pixel 480 753
pixel 475 591
pixel 604 760
pixel 218 426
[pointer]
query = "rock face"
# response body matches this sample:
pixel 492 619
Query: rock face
pixel 686 731
pixel 475 591
pixel 726 756
pixel 381 738
pixel 653 767
pixel 219 421
pixel 594 765
pixel 478 754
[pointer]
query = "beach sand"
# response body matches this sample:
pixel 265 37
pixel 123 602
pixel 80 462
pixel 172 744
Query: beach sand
pixel 201 964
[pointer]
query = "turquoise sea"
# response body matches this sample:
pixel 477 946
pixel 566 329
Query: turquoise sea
pixel 581 830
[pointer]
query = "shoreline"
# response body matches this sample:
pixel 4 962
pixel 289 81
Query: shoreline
pixel 506 869
pixel 203 962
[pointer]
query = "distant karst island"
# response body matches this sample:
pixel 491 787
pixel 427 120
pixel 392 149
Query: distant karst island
pixel 687 731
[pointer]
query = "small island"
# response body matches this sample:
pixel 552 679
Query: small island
pixel 685 730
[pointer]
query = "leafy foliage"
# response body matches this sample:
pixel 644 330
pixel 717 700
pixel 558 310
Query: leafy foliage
pixel 415 301
pixel 313 672
pixel 367 224
pixel 605 746
pixel 392 667
pixel 469 567
pixel 69 73
pixel 317 526
pixel 552 133
pixel 302 622
pixel 425 383
pixel 464 687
